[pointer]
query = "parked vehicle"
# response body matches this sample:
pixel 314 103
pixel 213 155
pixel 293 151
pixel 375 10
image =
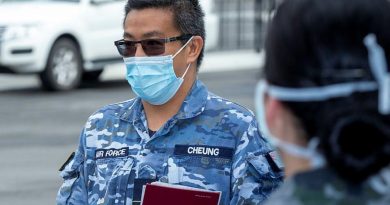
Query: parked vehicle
pixel 65 42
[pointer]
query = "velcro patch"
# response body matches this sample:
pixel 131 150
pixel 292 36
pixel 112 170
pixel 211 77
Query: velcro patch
pixel 111 153
pixel 67 161
pixel 274 161
pixel 204 151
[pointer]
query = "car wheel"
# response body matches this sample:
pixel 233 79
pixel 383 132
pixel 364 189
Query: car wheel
pixel 64 67
pixel 92 76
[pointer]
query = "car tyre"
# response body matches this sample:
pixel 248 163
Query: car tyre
pixel 64 67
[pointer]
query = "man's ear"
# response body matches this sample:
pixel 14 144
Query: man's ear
pixel 194 49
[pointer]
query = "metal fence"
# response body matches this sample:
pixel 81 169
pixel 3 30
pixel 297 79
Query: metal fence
pixel 243 23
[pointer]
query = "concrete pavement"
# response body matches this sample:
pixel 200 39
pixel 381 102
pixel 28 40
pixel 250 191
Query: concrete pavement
pixel 212 62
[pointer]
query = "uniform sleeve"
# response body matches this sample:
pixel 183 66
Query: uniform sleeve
pixel 73 190
pixel 256 173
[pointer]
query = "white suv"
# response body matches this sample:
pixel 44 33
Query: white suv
pixel 64 41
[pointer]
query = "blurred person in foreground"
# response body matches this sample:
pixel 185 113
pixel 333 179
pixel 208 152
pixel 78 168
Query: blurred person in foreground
pixel 325 101
pixel 175 131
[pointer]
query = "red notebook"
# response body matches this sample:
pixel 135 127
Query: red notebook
pixel 159 193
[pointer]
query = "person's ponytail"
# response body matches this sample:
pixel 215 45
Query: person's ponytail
pixel 356 143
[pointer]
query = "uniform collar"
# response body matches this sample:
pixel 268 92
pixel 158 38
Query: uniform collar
pixel 195 102
pixel 193 105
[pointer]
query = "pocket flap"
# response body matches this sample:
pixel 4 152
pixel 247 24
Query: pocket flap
pixel 265 165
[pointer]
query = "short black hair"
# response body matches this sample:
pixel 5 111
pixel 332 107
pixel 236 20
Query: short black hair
pixel 188 15
pixel 320 42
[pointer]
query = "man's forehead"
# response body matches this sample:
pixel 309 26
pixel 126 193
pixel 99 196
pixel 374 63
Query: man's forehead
pixel 151 22
pixel 150 34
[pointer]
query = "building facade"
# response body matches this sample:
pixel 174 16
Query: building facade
pixel 243 23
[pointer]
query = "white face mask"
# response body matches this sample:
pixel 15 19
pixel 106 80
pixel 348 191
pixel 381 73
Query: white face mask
pixel 310 152
pixel 378 66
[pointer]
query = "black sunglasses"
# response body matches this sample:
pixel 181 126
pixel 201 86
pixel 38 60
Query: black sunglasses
pixel 151 47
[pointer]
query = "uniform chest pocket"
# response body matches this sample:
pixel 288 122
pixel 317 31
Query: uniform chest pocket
pixel 201 166
pixel 108 184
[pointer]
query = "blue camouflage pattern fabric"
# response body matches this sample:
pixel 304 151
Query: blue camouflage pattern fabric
pixel 115 149
pixel 323 186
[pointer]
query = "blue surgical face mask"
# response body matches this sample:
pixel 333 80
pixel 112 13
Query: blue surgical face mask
pixel 153 78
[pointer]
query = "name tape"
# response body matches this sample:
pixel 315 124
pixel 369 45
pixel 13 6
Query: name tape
pixel 205 151
pixel 111 153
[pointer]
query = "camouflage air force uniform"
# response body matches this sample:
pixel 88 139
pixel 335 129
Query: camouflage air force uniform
pixel 211 143
pixel 324 187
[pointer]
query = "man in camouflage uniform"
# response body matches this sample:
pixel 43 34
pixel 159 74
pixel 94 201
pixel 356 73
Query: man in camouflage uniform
pixel 194 139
